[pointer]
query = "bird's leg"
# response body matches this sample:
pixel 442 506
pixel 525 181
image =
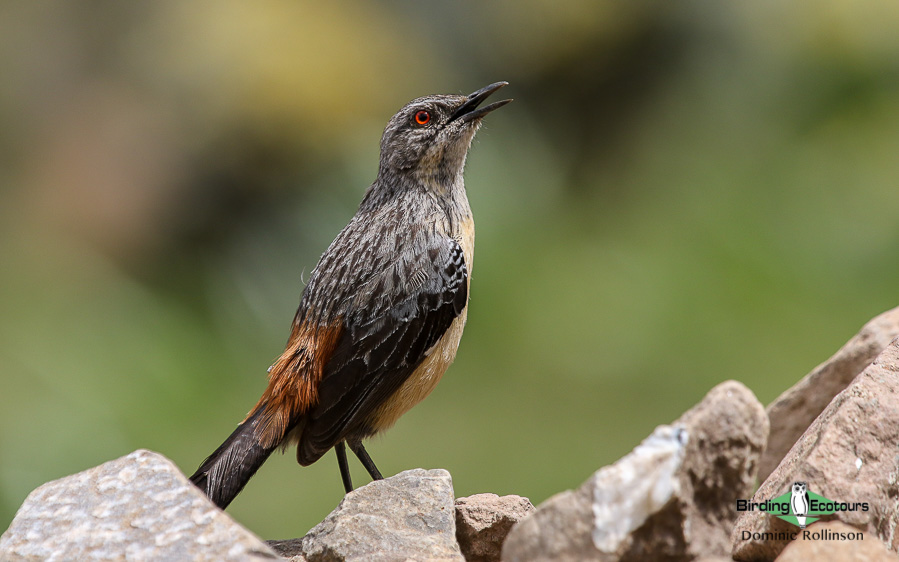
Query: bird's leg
pixel 366 461
pixel 340 449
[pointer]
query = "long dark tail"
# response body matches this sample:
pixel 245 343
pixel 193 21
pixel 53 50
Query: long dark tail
pixel 224 474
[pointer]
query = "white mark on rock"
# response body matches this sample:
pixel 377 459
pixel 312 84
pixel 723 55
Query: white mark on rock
pixel 626 493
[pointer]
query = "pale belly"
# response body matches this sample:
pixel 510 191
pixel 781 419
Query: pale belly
pixel 423 379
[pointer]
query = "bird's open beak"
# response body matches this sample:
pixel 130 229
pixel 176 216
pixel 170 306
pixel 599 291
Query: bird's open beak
pixel 469 111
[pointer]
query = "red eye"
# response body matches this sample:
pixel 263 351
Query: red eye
pixel 422 117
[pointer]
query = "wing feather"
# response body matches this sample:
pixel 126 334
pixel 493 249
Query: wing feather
pixel 398 315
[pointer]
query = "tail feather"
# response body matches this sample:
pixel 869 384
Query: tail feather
pixel 227 470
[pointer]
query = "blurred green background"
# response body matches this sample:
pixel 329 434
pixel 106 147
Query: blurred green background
pixel 681 193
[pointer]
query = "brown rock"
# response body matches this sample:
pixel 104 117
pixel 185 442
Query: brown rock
pixel 671 498
pixel 794 410
pixel 484 520
pixel 559 530
pixel 849 454
pixel 830 541
pixel 728 432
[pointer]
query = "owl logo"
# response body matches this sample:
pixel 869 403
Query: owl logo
pixel 799 502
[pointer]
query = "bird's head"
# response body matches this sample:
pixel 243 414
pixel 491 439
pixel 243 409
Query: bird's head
pixel 428 139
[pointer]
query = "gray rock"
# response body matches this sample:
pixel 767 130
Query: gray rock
pixel 671 498
pixel 849 454
pixel 138 507
pixel 409 516
pixel 484 520
pixel 794 410
pixel 835 549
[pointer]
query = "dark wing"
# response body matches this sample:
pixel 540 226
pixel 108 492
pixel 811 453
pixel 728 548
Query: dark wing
pixel 395 318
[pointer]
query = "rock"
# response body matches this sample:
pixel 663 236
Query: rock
pixel 484 520
pixel 794 410
pixel 728 432
pixel 560 529
pixel 597 521
pixel 138 507
pixel 847 455
pixel 409 516
pixel 825 544
pixel 671 498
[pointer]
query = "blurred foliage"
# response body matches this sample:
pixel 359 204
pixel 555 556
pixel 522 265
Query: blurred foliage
pixel 682 193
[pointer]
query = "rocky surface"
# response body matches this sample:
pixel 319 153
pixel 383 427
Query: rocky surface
pixel 728 431
pixel 824 542
pixel 409 516
pixel 138 507
pixel 794 410
pixel 671 498
pixel 484 520
pixel 597 521
pixel 849 454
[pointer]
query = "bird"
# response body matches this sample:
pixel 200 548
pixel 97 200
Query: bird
pixel 382 314
pixel 799 502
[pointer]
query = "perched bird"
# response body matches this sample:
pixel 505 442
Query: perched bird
pixel 380 320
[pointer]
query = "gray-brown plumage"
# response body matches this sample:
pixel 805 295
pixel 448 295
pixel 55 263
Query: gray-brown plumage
pixel 381 317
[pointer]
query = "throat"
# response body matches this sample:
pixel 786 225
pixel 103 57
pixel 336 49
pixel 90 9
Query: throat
pixel 450 196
